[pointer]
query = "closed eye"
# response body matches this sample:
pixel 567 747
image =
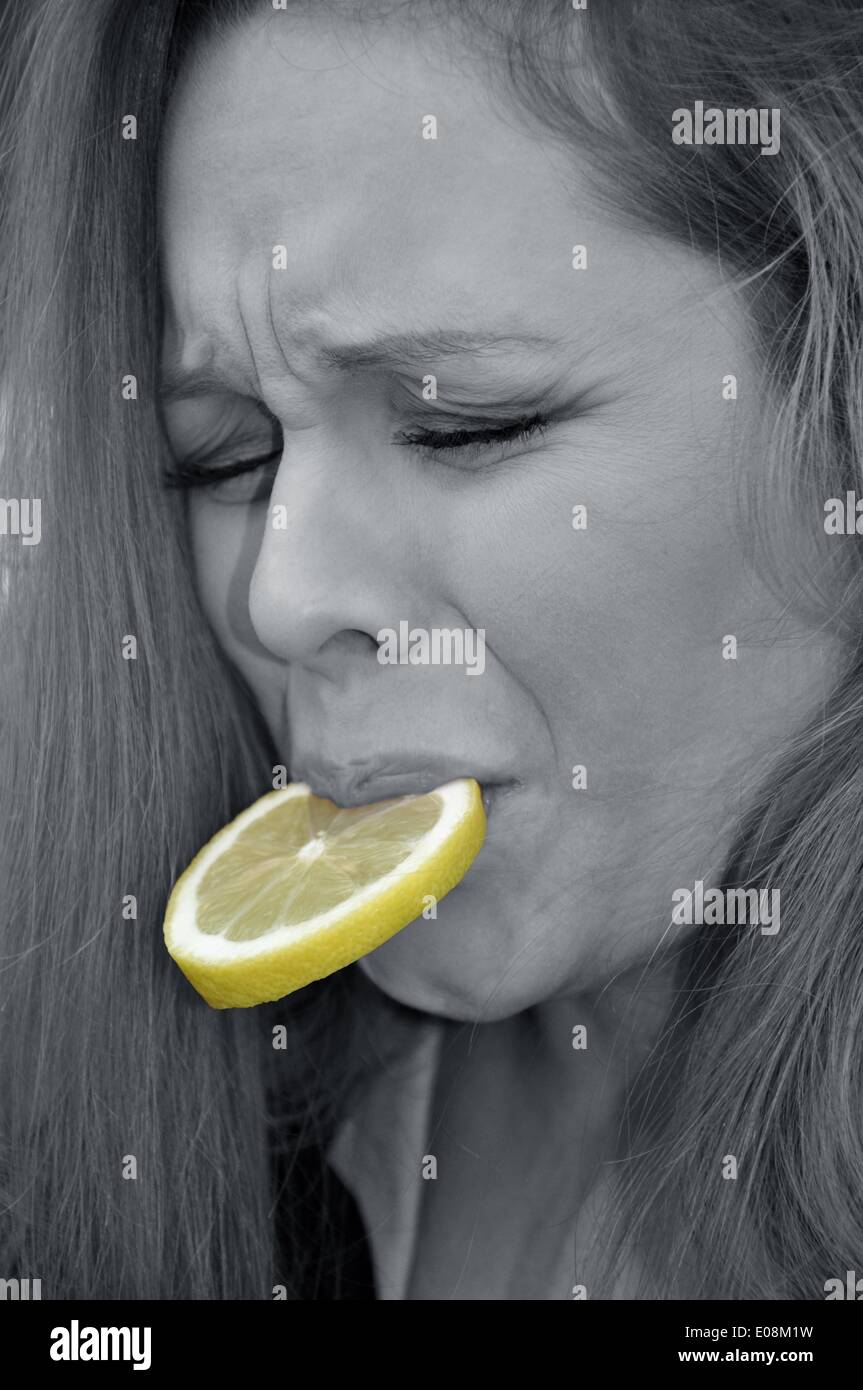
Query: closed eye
pixel 191 471
pixel 241 480
pixel 441 441
pixel 466 442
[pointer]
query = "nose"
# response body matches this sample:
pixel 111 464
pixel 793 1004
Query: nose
pixel 331 559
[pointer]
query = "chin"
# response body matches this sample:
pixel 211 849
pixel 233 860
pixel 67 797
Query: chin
pixel 425 986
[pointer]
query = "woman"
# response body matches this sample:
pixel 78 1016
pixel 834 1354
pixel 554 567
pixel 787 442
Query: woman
pixel 513 346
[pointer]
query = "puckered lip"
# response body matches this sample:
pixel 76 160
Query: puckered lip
pixel 360 783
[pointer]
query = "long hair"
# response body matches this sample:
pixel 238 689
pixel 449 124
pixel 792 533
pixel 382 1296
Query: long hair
pixel 115 770
pixel 140 1130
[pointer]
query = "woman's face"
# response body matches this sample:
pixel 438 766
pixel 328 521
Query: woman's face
pixel 406 258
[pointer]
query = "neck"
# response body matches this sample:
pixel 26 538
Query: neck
pixel 615 1025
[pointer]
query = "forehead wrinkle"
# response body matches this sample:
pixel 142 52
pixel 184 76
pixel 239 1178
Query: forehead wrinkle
pixel 199 338
pixel 340 326
pixel 254 311
pixel 195 363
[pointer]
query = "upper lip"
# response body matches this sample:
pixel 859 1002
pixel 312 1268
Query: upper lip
pixel 357 783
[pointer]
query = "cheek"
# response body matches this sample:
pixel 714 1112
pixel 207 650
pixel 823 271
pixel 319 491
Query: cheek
pixel 216 539
pixel 616 627
pixel 226 542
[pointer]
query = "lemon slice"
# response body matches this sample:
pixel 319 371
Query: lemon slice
pixel 296 887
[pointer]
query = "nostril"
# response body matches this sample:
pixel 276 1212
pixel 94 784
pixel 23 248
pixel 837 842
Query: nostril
pixel 350 641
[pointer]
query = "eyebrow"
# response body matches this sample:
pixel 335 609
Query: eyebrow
pixel 388 350
pixel 424 349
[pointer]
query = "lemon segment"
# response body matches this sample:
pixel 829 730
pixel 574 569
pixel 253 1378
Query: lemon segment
pixel 296 887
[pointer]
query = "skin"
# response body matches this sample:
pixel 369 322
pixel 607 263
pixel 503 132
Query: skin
pixel 603 646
